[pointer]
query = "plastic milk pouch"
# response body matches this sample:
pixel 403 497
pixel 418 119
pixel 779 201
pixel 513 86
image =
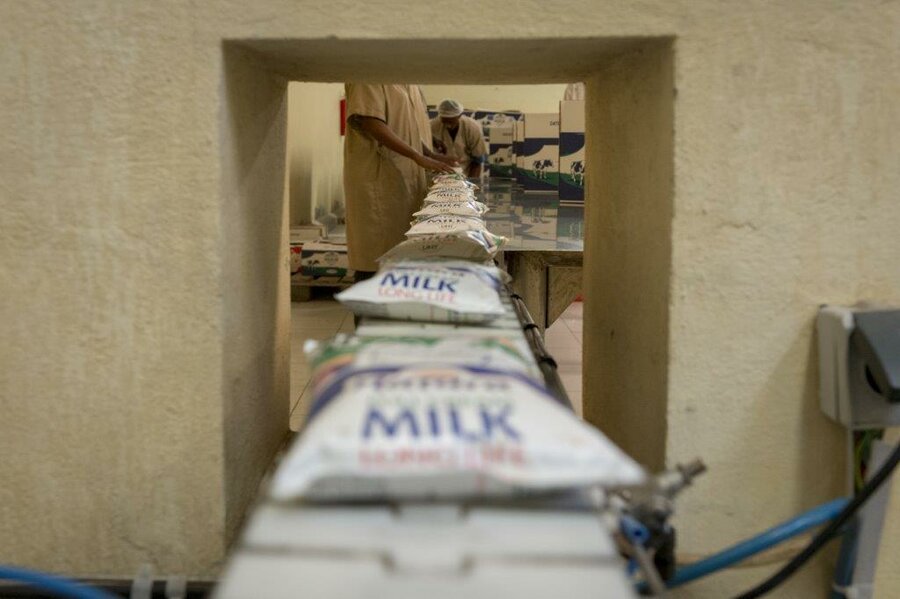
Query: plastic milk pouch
pixel 478 246
pixel 453 291
pixel 503 354
pixel 446 223
pixel 422 433
pixel 452 180
pixel 449 195
pixel 469 208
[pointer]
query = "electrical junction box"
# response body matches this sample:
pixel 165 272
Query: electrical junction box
pixel 859 366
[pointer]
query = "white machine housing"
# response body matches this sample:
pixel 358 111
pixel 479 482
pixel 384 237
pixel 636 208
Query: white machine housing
pixel 845 393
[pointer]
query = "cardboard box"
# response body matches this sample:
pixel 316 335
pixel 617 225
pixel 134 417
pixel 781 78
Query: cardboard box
pixel 540 152
pixel 296 258
pixel 491 118
pixel 300 234
pixel 518 140
pixel 500 156
pixel 571 152
pixel 325 262
pixel 485 118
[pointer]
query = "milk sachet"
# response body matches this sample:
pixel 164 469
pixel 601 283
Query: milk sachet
pixel 477 246
pixel 420 432
pixel 497 352
pixel 446 223
pixel 456 208
pixel 452 180
pixel 443 291
pixel 449 195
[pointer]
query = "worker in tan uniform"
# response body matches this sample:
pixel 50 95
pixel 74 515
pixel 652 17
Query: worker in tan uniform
pixel 461 136
pixel 386 154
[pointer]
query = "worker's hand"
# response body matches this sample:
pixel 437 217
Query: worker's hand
pixel 446 159
pixel 434 165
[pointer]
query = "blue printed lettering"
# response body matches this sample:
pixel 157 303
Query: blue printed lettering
pixel 390 428
pixel 493 423
pixel 497 421
pixel 417 282
pixel 435 421
pixel 392 279
pixel 457 426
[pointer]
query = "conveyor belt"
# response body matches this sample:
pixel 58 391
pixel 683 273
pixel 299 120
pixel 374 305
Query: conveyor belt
pixel 536 548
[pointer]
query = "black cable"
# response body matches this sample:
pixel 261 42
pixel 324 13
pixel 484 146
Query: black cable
pixel 829 532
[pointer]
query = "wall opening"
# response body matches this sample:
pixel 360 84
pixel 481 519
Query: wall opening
pixel 628 212
pixel 315 196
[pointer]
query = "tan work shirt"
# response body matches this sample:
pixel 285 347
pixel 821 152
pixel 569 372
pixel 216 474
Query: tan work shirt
pixel 382 189
pixel 469 144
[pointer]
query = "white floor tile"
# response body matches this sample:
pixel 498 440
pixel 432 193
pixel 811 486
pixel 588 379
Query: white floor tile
pixel 574 311
pixel 564 342
pixel 563 345
pixel 319 319
pixel 579 335
pixel 568 368
pixel 571 383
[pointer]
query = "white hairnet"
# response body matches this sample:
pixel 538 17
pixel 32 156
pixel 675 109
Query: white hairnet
pixel 449 108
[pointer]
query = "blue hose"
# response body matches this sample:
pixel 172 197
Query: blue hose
pixel 58 586
pixel 846 562
pixel 775 535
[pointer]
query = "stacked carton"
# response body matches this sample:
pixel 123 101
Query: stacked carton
pixel 539 170
pixel 500 154
pixel 571 152
pixel 325 263
pixel 518 140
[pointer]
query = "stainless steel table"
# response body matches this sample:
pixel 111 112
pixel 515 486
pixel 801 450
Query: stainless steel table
pixel 545 249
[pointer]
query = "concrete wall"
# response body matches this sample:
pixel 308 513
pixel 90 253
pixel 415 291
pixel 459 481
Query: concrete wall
pixel 527 98
pixel 628 250
pixel 144 360
pixel 315 153
pixel 255 317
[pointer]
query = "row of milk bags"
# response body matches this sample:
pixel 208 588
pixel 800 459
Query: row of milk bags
pixel 425 416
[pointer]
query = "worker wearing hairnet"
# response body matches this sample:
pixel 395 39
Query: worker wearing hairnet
pixel 461 136
pixel 386 154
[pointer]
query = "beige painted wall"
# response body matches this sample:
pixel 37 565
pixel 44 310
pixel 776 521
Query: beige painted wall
pixel 315 152
pixel 254 284
pixel 628 252
pixel 143 380
pixel 527 98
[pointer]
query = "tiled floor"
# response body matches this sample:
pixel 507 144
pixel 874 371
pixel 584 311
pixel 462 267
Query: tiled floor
pixel 324 318
pixel 315 319
pixel 563 341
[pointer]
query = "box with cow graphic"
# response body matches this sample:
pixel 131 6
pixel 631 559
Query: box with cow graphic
pixel 491 118
pixel 485 118
pixel 571 152
pixel 518 139
pixel 500 155
pixel 325 262
pixel 540 152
